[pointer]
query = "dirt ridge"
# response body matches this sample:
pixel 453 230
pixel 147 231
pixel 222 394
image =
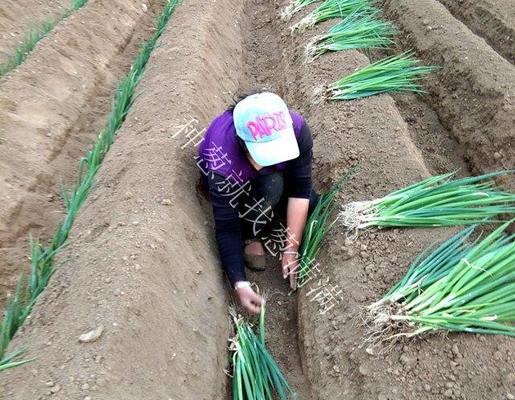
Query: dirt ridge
pixel 473 91
pixel 145 269
pixel 50 112
pixel 492 20
pixel 18 17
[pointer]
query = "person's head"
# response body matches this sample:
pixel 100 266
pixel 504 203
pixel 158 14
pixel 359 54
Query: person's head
pixel 265 129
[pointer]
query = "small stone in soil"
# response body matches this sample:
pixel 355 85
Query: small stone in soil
pixel 91 336
pixel 55 389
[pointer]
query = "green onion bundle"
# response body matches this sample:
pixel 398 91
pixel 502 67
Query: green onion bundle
pixel 461 286
pixel 294 7
pixel 317 228
pixel 435 201
pixel 398 73
pixel 256 375
pixel 357 31
pixel 332 9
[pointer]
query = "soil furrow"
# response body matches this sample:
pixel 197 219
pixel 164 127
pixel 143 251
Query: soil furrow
pixel 441 152
pixel 18 17
pixel 373 134
pixel 144 268
pixel 440 149
pixel 492 20
pixel 142 260
pixel 51 112
pixel 473 91
pixel 265 68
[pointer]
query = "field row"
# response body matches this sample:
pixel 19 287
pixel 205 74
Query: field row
pixel 142 268
pixel 51 108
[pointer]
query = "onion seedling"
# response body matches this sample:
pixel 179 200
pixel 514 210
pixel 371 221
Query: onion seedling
pixel 357 31
pixel 42 257
pixel 28 43
pixel 330 9
pixel 461 286
pixel 11 362
pixel 436 201
pixel 294 7
pixel 317 227
pixel 256 375
pixel 34 35
pixel 398 73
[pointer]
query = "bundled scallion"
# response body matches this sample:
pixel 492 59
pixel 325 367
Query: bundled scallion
pixel 317 227
pixel 357 31
pixel 294 7
pixel 333 9
pixel 436 201
pixel 398 73
pixel 256 375
pixel 461 286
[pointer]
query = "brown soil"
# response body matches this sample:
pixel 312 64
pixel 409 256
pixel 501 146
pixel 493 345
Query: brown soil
pixel 51 109
pixel 439 148
pixel 265 67
pixel 494 21
pixel 148 271
pixel 473 91
pixel 372 133
pixel 18 17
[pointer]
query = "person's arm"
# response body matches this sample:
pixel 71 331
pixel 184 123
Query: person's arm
pixel 296 216
pixel 299 187
pixel 230 246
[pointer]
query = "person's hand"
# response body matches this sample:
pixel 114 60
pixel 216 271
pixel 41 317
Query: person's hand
pixel 249 300
pixel 290 266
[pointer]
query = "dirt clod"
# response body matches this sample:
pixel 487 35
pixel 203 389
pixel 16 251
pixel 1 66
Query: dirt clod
pixel 92 335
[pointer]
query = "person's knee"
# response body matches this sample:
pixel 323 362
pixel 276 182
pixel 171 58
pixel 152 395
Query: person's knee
pixel 271 189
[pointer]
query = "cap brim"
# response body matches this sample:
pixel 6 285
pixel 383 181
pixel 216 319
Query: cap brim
pixel 276 151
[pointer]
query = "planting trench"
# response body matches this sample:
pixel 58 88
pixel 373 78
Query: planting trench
pixel 148 272
pixel 51 109
pixel 372 133
pixel 492 20
pixel 18 17
pixel 473 92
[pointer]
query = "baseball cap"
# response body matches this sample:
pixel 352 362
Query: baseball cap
pixel 264 123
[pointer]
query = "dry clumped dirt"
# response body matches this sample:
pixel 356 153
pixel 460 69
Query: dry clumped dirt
pixel 142 262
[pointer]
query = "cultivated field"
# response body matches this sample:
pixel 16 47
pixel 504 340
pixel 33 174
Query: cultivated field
pixel 141 260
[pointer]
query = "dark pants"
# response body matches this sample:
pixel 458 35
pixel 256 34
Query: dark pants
pixel 265 204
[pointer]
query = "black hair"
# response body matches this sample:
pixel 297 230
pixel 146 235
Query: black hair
pixel 239 97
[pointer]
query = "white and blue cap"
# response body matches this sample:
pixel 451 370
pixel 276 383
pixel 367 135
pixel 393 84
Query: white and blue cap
pixel 264 123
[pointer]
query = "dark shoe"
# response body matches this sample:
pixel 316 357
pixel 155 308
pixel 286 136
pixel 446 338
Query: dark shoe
pixel 255 262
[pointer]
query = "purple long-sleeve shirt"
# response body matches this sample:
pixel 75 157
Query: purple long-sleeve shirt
pixel 223 163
